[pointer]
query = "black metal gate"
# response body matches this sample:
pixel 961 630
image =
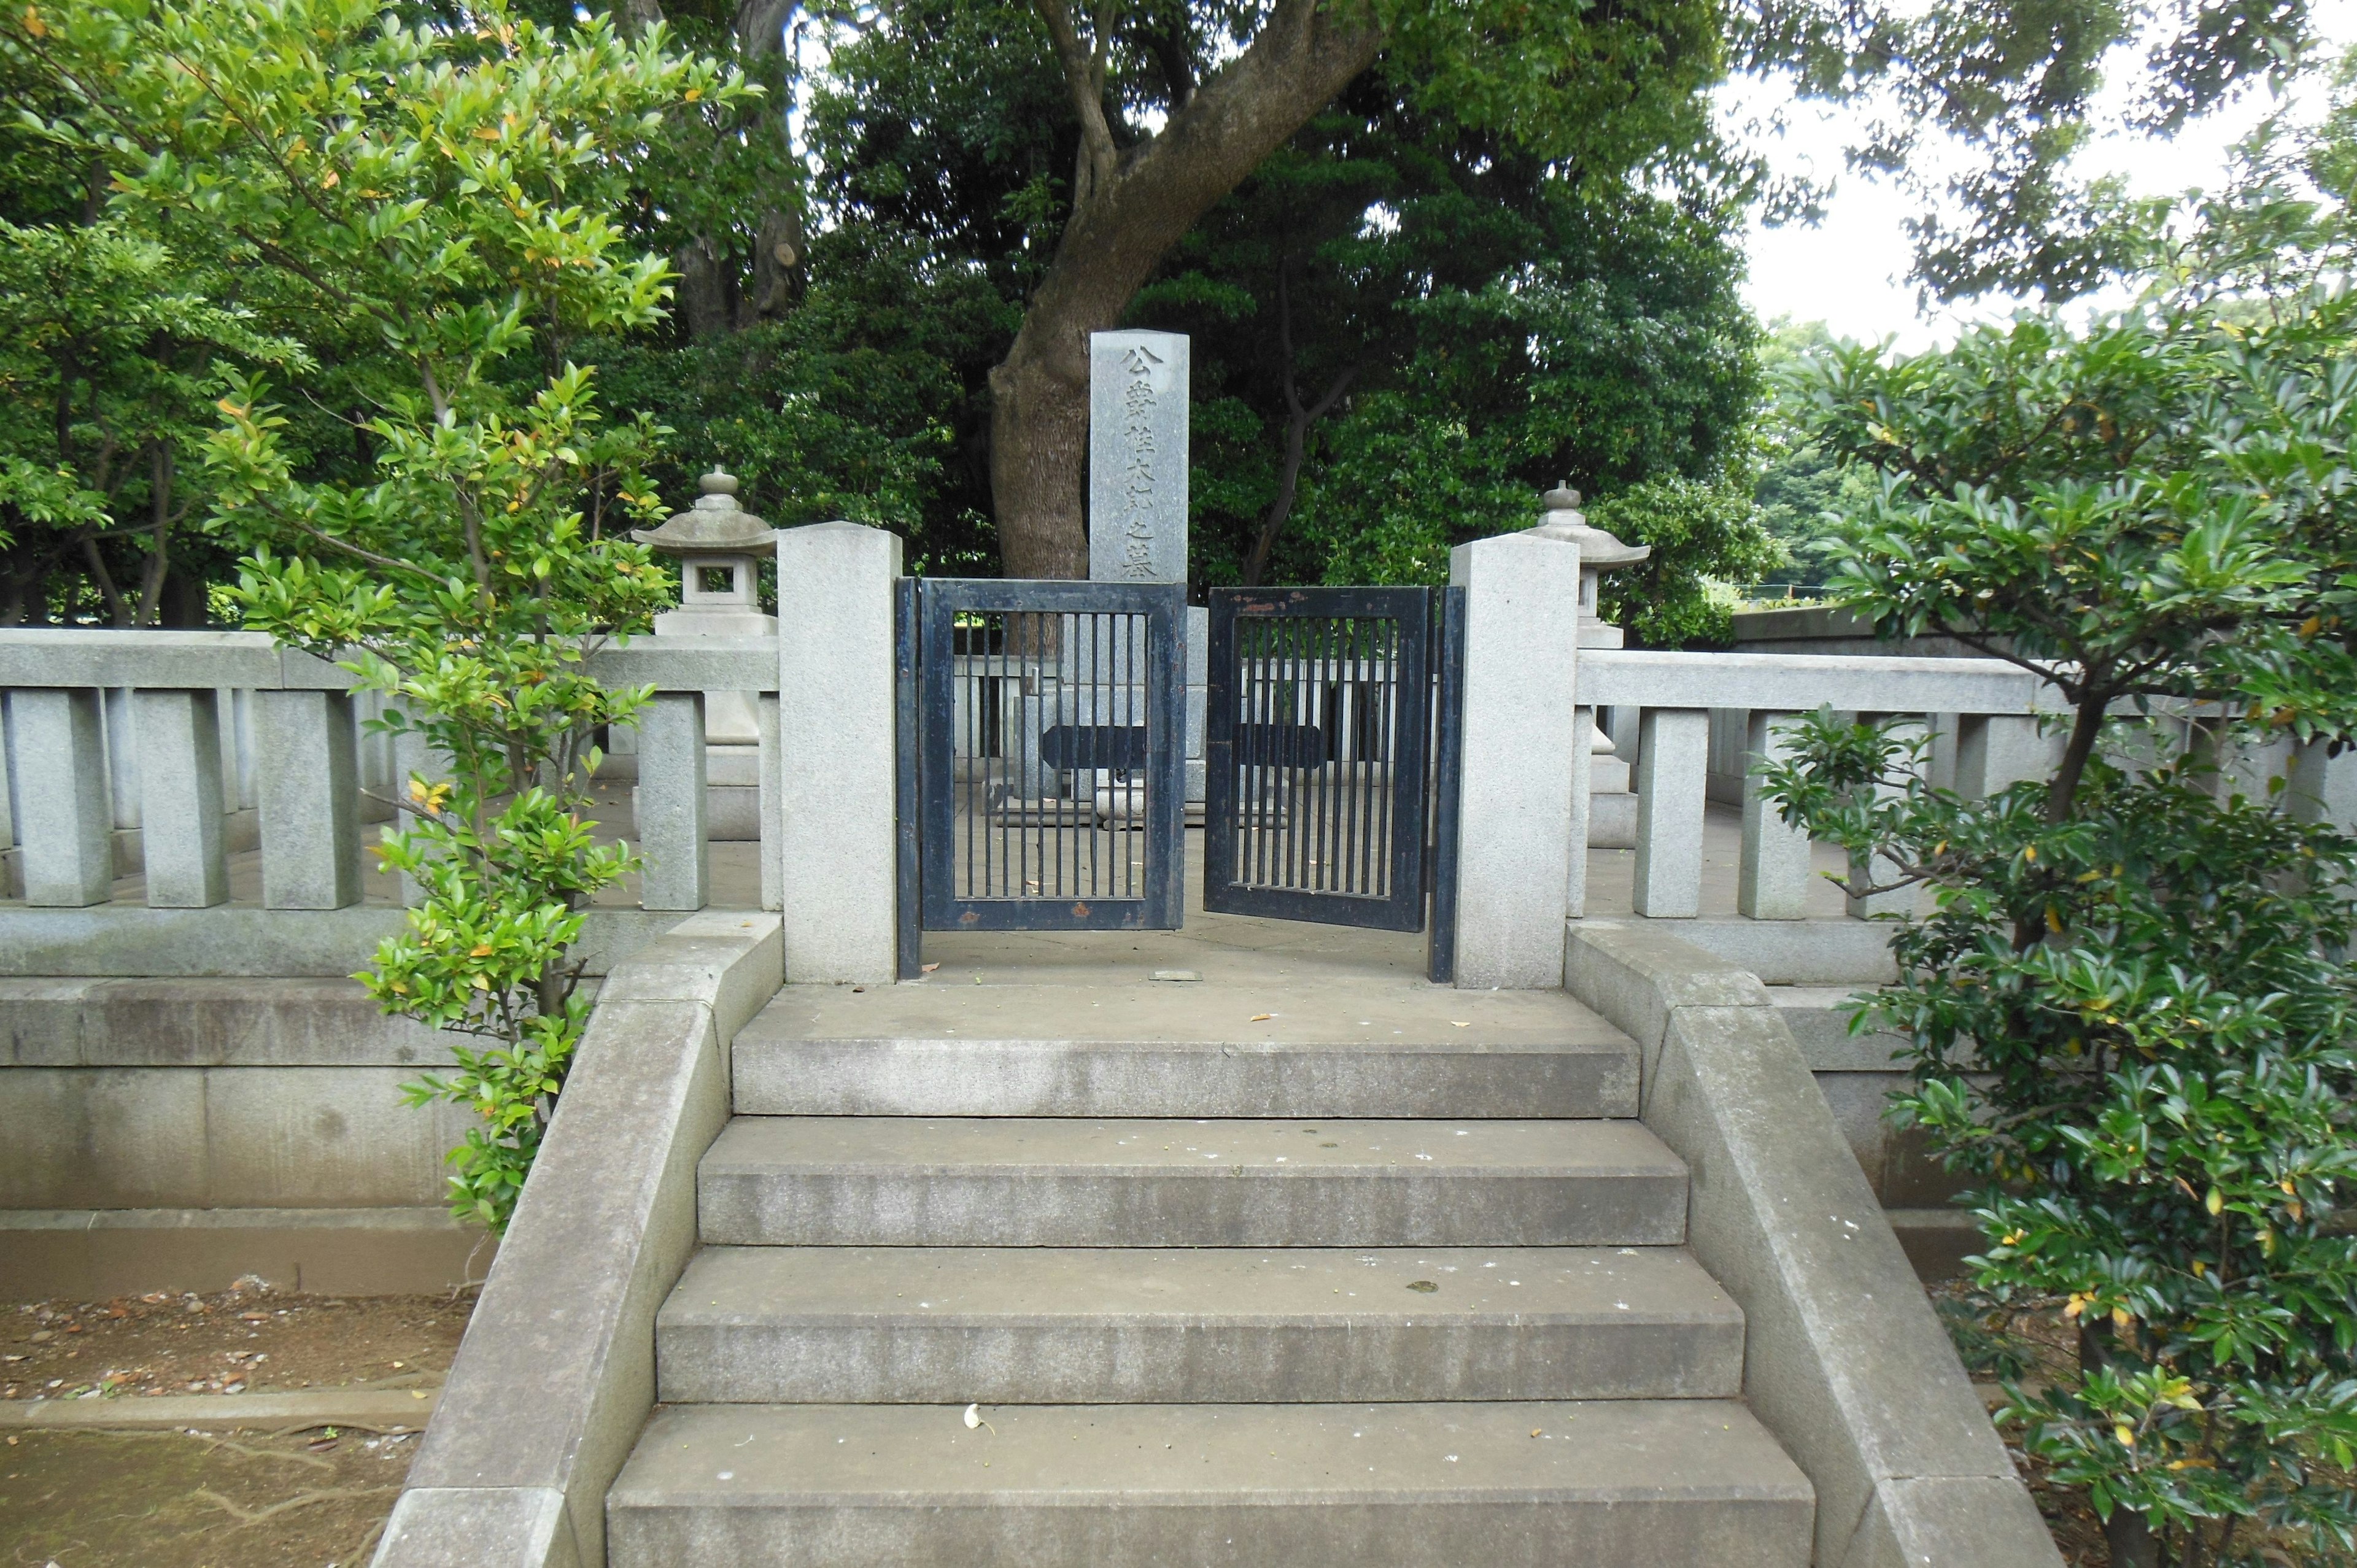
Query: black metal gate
pixel 1329 755
pixel 1046 723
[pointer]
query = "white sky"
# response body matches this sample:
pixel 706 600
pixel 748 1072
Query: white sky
pixel 1850 270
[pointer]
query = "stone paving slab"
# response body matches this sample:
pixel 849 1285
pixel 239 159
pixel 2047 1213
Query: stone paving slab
pixel 378 1409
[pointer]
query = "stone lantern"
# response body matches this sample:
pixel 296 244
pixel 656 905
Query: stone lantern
pixel 720 546
pixel 1598 553
pixel 1611 804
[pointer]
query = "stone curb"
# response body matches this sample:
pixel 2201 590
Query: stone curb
pixel 379 1410
pixel 1844 1360
pixel 556 1376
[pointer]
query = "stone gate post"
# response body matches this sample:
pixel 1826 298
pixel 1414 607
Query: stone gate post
pixel 837 866
pixel 1522 627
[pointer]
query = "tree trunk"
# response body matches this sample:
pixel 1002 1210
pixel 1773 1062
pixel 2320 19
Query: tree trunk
pixel 1123 223
pixel 2131 1540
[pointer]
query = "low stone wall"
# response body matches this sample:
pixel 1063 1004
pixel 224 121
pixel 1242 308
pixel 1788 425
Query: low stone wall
pixel 556 1374
pixel 178 1134
pixel 1844 1360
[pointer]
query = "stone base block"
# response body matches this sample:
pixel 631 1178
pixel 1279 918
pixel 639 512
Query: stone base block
pixel 92 1254
pixel 1612 819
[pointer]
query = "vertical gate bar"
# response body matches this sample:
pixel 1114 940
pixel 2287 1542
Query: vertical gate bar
pixel 1312 687
pixel 1358 681
pixel 1346 719
pixel 1384 678
pixel 1383 673
pixel 1272 755
pixel 1218 746
pixel 964 851
pixel 1303 783
pixel 1288 696
pixel 1168 784
pixel 1356 821
pixel 1448 768
pixel 1018 629
pixel 936 608
pixel 1408 815
pixel 1068 822
pixel 1256 785
pixel 906 846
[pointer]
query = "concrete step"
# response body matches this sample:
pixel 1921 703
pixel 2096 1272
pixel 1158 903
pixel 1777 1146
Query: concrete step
pixel 1377 1046
pixel 842 1181
pixel 925 1324
pixel 1615 1484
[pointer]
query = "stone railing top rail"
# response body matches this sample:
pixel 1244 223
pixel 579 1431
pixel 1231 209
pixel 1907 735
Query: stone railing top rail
pixel 1802 682
pixel 176 660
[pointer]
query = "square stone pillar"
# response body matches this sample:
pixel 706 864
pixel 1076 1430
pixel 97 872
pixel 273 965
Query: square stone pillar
pixel 1513 866
pixel 181 778
pixel 64 825
pixel 308 767
pixel 838 862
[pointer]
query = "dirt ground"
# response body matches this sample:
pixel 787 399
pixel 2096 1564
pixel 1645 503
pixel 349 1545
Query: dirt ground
pixel 249 1339
pixel 178 1499
pixel 211 1497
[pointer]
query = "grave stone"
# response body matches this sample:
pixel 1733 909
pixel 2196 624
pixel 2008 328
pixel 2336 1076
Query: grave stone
pixel 1139 394
pixel 1137 457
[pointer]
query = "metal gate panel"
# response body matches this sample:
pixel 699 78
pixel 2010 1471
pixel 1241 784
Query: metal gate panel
pixel 1316 745
pixel 1050 767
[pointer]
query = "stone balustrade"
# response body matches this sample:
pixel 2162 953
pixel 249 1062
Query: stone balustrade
pixel 196 726
pixel 1991 709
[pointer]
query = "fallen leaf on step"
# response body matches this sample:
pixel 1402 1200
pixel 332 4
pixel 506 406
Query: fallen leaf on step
pixel 1427 1287
pixel 1465 1025
pixel 973 1416
pixel 1262 1017
pixel 926 968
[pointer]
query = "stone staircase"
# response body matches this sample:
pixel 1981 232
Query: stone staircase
pixel 1386 1276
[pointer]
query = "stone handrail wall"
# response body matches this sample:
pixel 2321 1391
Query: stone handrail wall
pixel 175 731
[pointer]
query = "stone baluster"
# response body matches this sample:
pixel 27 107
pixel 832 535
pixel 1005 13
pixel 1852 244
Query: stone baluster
pixel 181 844
pixel 307 772
pixel 122 755
pixel 1772 876
pixel 1902 900
pixel 670 803
pixel 2322 788
pixel 1994 750
pixel 772 804
pixel 64 821
pixel 1583 781
pixel 1672 772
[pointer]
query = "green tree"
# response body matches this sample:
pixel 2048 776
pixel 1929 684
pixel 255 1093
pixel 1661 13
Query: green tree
pixel 2130 1013
pixel 446 189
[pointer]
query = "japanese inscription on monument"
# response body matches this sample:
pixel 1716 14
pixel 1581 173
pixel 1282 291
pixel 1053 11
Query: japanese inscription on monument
pixel 1137 457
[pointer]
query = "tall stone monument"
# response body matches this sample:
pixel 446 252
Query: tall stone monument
pixel 1137 457
pixel 1138 392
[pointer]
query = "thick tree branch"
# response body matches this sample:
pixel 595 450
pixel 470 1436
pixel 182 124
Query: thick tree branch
pixel 1120 229
pixel 1084 69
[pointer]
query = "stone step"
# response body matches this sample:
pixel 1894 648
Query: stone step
pixel 1034 1182
pixel 1613 1484
pixel 1299 1047
pixel 902 1324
